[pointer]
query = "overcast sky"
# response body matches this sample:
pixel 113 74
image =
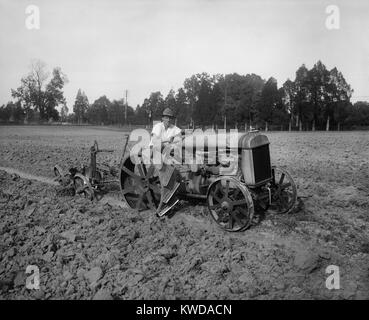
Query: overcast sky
pixel 106 47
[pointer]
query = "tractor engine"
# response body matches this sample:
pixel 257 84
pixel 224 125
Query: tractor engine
pixel 249 164
pixel 198 178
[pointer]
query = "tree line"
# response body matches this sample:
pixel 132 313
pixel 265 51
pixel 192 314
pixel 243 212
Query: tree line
pixel 317 99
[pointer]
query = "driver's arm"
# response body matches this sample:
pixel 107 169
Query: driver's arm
pixel 178 136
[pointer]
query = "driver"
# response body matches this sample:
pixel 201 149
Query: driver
pixel 165 132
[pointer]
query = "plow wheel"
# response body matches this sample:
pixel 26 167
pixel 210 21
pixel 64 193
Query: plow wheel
pixel 230 204
pixel 284 192
pixel 83 187
pixel 58 172
pixel 140 187
pixel 60 176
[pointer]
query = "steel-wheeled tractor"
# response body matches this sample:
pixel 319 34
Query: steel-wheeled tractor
pixel 234 180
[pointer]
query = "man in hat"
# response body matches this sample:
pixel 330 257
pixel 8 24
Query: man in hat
pixel 165 131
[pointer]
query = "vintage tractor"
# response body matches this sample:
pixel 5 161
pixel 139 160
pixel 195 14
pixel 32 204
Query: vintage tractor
pixel 233 188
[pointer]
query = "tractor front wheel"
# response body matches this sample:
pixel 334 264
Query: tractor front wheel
pixel 284 191
pixel 230 204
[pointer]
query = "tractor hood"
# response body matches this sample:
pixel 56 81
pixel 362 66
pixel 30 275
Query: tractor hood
pixel 229 140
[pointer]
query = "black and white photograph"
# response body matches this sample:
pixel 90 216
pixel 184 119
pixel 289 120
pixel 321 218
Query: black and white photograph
pixel 197 151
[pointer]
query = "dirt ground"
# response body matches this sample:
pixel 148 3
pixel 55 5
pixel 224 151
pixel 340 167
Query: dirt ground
pixel 102 250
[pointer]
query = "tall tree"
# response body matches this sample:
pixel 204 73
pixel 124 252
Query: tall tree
pixel 338 97
pixel 317 82
pixel 170 100
pixel 64 113
pixel 270 97
pixel 240 96
pixel 181 108
pixel 204 113
pixel 154 106
pixel 31 91
pixel 35 94
pixel 54 94
pixel 81 106
pixel 116 112
pixel 303 96
pixel 216 102
pixel 97 113
pixel 12 112
pixel 289 100
pixel 192 88
pixel 358 114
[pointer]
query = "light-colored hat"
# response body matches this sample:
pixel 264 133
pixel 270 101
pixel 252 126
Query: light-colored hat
pixel 168 112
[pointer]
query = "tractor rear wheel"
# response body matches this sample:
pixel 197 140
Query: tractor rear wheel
pixel 140 187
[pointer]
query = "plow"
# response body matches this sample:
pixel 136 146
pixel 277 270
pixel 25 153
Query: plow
pixel 89 180
pixel 233 189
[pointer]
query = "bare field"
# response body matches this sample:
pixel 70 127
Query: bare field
pixel 101 250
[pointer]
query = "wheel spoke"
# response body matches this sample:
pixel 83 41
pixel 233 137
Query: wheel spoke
pixel 215 206
pixel 239 202
pixel 227 189
pixel 279 204
pixel 216 198
pixel 141 170
pixel 139 202
pixel 281 179
pixel 236 193
pixel 244 212
pixel 128 190
pixel 285 185
pixel 284 201
pixel 132 196
pixel 149 198
pixel 132 174
pixel 218 189
pixel 150 171
pixel 235 217
pixel 154 188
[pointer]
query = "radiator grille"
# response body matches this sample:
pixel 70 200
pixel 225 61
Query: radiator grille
pixel 261 160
